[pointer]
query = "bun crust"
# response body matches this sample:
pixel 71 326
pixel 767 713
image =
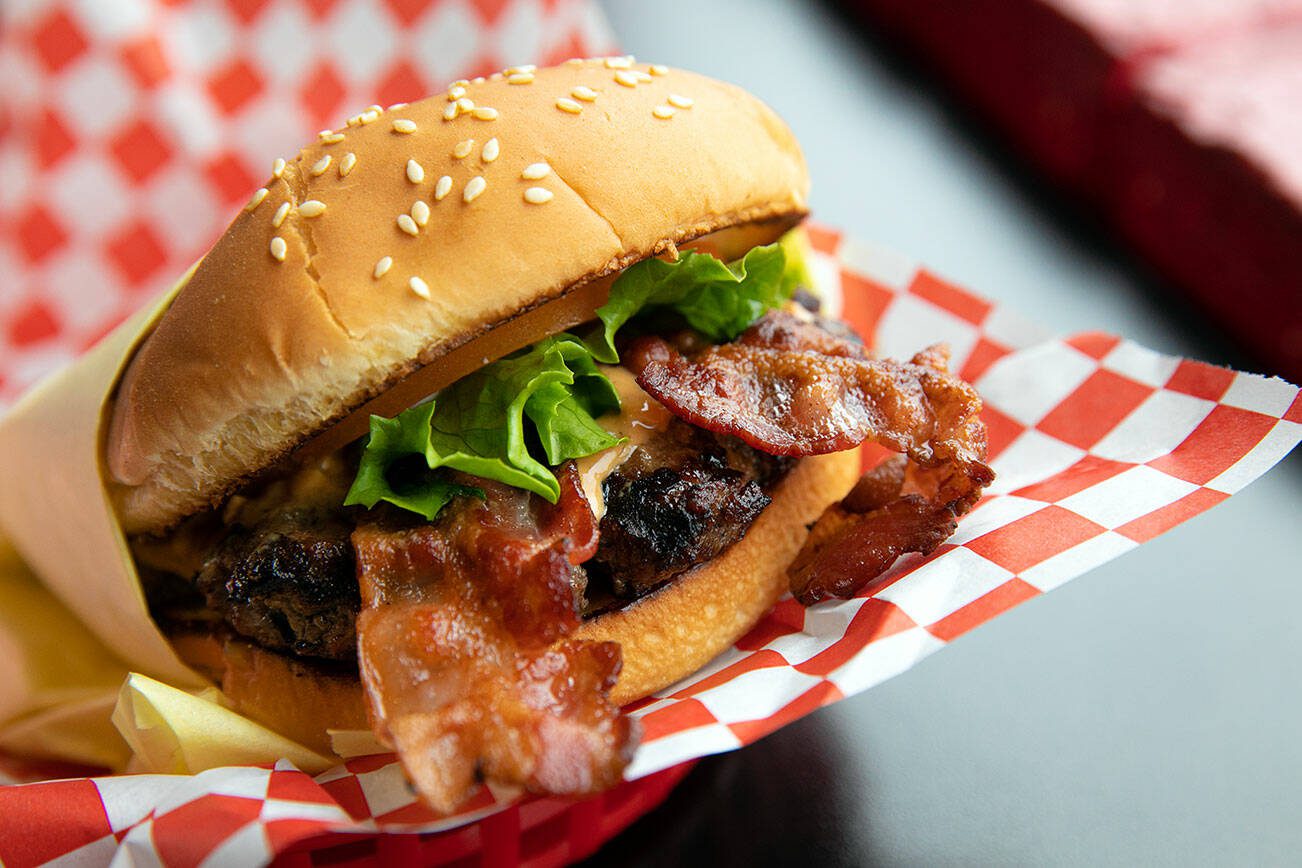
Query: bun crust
pixel 665 637
pixel 256 355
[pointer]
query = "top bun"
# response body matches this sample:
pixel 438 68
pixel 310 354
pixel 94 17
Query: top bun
pixel 532 184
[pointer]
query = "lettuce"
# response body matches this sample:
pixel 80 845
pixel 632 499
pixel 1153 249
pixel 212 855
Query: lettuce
pixel 718 299
pixel 797 250
pixel 543 402
pixel 480 425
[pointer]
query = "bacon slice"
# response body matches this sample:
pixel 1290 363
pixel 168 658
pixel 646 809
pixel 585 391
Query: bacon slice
pixel 858 539
pixel 788 388
pixel 462 650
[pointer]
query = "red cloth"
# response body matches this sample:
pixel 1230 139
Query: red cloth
pixel 1179 119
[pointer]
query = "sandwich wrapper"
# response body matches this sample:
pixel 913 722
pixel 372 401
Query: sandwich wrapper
pixel 1099 444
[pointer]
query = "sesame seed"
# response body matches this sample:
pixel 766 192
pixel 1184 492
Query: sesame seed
pixel 402 125
pixel 524 69
pixel 353 121
pixel 639 75
pixel 419 287
pixel 258 195
pixel 382 267
pixel 333 139
pixel 375 108
pixel 626 78
pixel 442 188
pixel 474 187
pixel 415 172
pixel 346 164
pixel 420 212
pixel 396 106
pixel 311 208
pixel 465 105
pixel 497 76
pixel 584 93
pixel 325 134
pixel 485 113
pixel 450 113
pixel 618 62
pixel 680 101
pixel 537 195
pixel 279 248
pixel 280 215
pixel 479 79
pixel 463 148
pixel 460 82
pixel 455 93
pixel 520 78
pixel 277 168
pixel 659 69
pixel 491 150
pixel 370 116
pixel 321 165
pixel 536 171
pixel 664 112
pixel 408 225
pixel 568 105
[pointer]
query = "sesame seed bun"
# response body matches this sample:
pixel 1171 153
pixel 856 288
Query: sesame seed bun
pixel 664 637
pixel 379 268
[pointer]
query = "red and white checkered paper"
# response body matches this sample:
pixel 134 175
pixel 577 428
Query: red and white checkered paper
pixel 1099 444
pixel 131 131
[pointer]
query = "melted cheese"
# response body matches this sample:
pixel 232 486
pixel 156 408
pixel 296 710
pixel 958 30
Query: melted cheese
pixel 639 417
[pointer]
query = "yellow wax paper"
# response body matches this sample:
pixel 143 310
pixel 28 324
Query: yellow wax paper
pixel 85 674
pixel 175 732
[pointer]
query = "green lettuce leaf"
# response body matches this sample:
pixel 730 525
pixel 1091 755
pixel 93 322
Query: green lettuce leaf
pixel 551 394
pixel 718 299
pixel 478 426
pixel 391 441
pixel 795 245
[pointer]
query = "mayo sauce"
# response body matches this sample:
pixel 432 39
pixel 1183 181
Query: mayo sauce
pixel 640 416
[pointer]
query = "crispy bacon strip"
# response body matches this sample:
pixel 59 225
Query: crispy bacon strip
pixel 788 388
pixel 858 539
pixel 463 656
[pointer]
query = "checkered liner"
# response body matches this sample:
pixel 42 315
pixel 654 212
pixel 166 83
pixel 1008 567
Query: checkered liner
pixel 1099 444
pixel 131 131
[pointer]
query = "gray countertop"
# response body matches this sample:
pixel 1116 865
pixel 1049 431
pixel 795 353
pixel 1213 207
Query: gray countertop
pixel 1148 712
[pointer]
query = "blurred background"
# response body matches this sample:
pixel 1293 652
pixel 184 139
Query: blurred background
pixel 1132 166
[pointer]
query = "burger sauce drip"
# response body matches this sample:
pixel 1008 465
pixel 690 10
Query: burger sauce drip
pixel 463 651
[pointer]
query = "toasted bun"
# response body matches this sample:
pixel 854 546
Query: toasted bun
pixel 665 637
pixel 256 355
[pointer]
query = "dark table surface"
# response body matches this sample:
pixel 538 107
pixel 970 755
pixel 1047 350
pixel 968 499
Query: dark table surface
pixel 1146 713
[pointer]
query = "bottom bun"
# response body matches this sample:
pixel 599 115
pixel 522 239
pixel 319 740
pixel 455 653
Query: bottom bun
pixel 665 636
pixel 673 632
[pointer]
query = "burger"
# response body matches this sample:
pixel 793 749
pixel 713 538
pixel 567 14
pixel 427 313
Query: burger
pixel 493 413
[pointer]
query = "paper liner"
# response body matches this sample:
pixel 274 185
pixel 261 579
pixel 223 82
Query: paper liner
pixel 1100 445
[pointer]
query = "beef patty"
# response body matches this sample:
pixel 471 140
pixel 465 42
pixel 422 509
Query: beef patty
pixel 287 578
pixel 289 583
pixel 680 499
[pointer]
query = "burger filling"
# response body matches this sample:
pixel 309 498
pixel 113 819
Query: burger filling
pixel 281 572
pixel 277 564
pixel 452 554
